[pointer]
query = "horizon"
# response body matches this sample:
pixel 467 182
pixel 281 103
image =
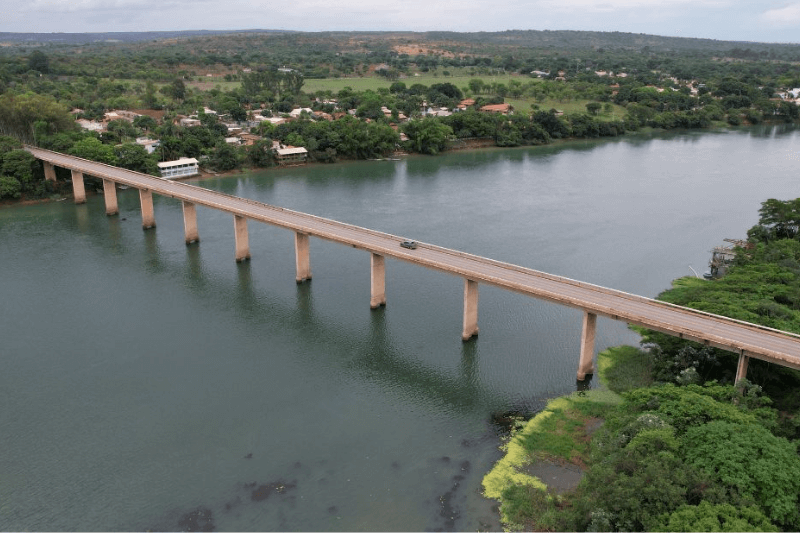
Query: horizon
pixel 720 20
pixel 275 30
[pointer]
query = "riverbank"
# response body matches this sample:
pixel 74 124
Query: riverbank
pixel 549 454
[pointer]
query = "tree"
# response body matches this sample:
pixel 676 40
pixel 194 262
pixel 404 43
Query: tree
pixel 39 62
pixel 20 112
pixel 145 122
pixel 10 187
pixel 122 129
pixel 20 164
pixel 780 218
pixel 135 157
pixel 428 135
pixel 225 157
pixel 175 90
pixel 260 154
pixel 720 517
pixel 593 107
pixel 751 463
pixel 91 148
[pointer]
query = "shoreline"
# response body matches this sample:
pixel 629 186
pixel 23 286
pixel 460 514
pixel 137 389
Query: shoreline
pixel 476 147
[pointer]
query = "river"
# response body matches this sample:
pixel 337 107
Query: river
pixel 146 384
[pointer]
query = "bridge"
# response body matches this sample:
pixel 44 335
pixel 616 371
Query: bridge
pixel 743 338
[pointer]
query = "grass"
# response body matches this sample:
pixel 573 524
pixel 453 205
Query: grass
pixel 426 78
pixel 624 368
pixel 560 432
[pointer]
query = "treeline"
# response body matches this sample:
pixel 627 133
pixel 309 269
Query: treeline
pixel 655 88
pixel 684 449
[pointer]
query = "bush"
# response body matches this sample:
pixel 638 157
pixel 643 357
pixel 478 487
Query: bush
pixel 10 187
pixel 751 463
pixel 720 517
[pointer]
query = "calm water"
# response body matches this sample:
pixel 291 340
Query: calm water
pixel 146 384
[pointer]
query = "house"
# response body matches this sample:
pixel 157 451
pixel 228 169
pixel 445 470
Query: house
pixel 503 109
pixel 149 144
pixel 248 139
pixel 233 141
pixel 465 104
pixel 90 125
pixel 121 114
pixel 295 113
pixel 291 155
pixel 187 122
pixel 180 168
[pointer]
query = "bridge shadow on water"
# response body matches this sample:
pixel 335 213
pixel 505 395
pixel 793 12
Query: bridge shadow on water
pixel 374 354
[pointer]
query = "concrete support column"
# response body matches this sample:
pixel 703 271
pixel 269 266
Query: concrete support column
pixel 148 214
pixel 78 191
pixel 302 255
pixel 741 368
pixel 49 171
pixel 585 366
pixel 110 194
pixel 190 222
pixel 377 281
pixel 242 242
pixel 470 309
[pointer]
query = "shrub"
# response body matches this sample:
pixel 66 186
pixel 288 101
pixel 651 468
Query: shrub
pixel 751 463
pixel 721 517
pixel 10 187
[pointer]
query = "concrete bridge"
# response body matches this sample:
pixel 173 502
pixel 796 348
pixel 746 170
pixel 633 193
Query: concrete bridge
pixel 747 340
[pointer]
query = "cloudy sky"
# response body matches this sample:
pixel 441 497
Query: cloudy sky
pixel 738 20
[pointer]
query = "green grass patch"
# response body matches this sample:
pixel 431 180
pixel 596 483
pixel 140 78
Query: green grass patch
pixel 623 368
pixel 559 432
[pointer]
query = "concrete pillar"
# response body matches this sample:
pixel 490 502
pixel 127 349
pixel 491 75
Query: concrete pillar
pixel 242 242
pixel 78 191
pixel 470 309
pixel 49 171
pixel 377 281
pixel 741 368
pixel 110 194
pixel 148 215
pixel 190 222
pixel 302 257
pixel 585 366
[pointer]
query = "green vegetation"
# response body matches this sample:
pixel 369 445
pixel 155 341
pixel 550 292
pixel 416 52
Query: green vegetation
pixel 672 454
pixel 560 85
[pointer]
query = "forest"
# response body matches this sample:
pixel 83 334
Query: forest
pixel 397 92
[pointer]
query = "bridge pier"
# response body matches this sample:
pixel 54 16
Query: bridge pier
pixel 78 190
pixel 49 171
pixel 302 249
pixel 585 365
pixel 110 195
pixel 470 309
pixel 741 368
pixel 242 242
pixel 190 222
pixel 148 214
pixel 377 281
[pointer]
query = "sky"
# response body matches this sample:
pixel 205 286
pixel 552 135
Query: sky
pixel 730 20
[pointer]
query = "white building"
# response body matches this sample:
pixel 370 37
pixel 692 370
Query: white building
pixel 149 144
pixel 180 168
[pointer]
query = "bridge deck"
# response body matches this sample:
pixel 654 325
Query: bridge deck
pixel 744 338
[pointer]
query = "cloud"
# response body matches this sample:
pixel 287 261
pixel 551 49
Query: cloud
pixel 605 6
pixel 781 17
